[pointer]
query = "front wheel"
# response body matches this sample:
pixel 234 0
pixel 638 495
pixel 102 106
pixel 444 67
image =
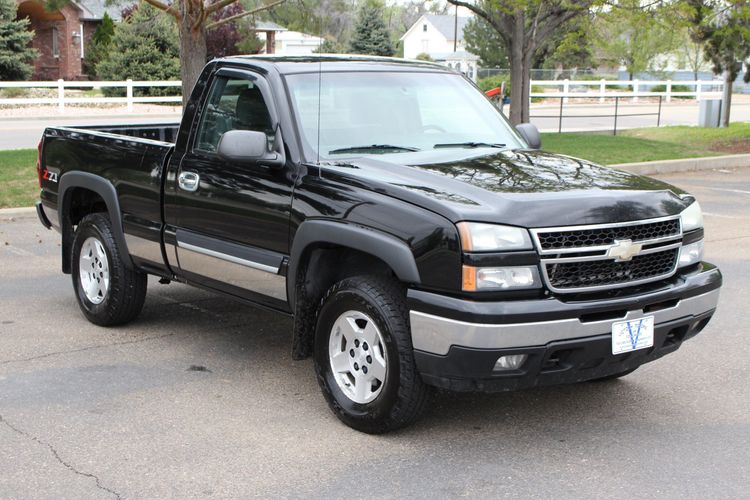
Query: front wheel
pixel 364 357
pixel 108 292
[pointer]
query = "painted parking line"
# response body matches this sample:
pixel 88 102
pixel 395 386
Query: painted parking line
pixel 711 214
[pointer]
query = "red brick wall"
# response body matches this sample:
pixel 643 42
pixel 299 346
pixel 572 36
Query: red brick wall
pixel 67 64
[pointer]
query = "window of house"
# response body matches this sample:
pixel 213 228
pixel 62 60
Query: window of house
pixel 425 46
pixel 424 27
pixel 55 43
pixel 82 38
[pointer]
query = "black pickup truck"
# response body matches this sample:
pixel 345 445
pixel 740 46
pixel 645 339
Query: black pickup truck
pixel 414 235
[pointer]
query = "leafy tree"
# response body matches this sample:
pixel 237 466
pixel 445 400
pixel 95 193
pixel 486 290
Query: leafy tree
pixel 524 26
pixel 145 47
pixel 723 27
pixel 15 54
pixel 485 42
pixel 194 19
pixel 223 40
pixel 690 55
pixel 570 47
pixel 99 46
pixel 329 47
pixel 633 36
pixel 371 36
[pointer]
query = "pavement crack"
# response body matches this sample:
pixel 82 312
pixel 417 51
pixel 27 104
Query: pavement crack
pixel 83 349
pixel 57 456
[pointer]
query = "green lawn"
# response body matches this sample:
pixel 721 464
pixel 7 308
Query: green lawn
pixel 19 184
pixel 649 144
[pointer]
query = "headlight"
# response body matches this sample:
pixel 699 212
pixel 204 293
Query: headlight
pixel 500 278
pixel 691 254
pixel 692 217
pixel 478 237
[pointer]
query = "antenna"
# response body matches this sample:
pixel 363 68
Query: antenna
pixel 320 77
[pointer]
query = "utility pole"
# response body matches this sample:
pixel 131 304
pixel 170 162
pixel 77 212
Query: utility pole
pixel 455 30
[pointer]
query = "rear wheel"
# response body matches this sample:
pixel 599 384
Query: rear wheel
pixel 108 293
pixel 364 357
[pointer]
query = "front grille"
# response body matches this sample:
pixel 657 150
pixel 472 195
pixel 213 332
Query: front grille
pixel 574 258
pixel 597 273
pixel 600 236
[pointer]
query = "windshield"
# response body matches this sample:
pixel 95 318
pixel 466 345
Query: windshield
pixel 394 112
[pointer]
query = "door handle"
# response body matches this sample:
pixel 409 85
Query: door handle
pixel 189 181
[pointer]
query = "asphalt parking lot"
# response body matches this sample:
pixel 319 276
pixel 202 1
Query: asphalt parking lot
pixel 200 398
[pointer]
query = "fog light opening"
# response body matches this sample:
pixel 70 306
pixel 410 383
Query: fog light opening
pixel 510 362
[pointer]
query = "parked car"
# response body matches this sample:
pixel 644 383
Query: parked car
pixel 416 237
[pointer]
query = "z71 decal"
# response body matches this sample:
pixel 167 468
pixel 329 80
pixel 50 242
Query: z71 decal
pixel 50 175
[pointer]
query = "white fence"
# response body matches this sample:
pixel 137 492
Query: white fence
pixel 61 99
pixel 564 89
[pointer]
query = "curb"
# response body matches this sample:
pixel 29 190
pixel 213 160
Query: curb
pixel 9 212
pixel 685 164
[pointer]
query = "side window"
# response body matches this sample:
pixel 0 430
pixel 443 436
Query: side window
pixel 233 104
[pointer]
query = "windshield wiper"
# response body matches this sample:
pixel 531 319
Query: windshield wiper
pixel 371 147
pixel 469 145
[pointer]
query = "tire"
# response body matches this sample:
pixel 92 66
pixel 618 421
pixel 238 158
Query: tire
pixel 614 376
pixel 104 302
pixel 368 308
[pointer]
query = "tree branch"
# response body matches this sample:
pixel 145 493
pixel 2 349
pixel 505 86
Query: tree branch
pixel 160 5
pixel 250 12
pixel 502 26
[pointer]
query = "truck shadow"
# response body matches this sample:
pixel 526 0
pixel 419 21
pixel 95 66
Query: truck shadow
pixel 236 341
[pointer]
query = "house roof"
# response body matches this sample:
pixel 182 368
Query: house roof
pixel 93 10
pixel 445 24
pixel 268 26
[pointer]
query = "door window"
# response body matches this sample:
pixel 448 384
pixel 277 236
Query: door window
pixel 233 104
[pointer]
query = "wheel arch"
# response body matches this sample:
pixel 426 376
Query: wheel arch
pixel 97 191
pixel 329 251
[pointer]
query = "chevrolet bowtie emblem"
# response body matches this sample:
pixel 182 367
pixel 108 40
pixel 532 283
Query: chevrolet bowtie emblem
pixel 624 250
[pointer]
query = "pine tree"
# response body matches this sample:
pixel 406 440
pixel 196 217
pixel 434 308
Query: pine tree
pixel 99 45
pixel 15 37
pixel 145 47
pixel 371 36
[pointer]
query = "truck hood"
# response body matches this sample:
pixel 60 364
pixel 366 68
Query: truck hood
pixel 526 188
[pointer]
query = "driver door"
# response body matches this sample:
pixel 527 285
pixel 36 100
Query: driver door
pixel 231 220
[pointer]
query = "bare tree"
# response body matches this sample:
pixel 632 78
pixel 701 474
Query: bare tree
pixel 524 25
pixel 193 19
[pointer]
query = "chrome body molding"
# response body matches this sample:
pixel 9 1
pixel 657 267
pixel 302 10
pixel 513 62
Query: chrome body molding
pixel 435 334
pixel 232 270
pixel 143 248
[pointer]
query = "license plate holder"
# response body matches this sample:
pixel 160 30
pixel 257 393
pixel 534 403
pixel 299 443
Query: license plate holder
pixel 632 335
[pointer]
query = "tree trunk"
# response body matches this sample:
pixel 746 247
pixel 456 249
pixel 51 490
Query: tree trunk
pixel 527 62
pixel 192 45
pixel 726 100
pixel 518 86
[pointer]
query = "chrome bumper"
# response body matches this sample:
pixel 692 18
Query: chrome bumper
pixel 436 335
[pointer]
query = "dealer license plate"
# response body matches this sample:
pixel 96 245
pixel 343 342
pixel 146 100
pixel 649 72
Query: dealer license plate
pixel 632 335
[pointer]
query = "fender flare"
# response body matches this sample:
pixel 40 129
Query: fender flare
pixel 103 188
pixel 394 252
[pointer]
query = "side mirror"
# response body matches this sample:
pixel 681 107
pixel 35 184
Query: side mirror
pixel 530 134
pixel 248 146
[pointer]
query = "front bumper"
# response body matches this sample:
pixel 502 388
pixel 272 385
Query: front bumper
pixel 457 342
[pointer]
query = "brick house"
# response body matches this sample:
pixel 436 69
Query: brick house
pixel 61 36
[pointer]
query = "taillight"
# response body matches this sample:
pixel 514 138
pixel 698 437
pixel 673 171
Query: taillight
pixel 39 161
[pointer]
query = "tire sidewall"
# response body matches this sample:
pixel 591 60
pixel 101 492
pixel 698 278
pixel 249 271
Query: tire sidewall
pixel 336 304
pixel 88 229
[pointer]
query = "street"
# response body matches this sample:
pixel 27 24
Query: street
pixel 199 397
pixel 19 133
